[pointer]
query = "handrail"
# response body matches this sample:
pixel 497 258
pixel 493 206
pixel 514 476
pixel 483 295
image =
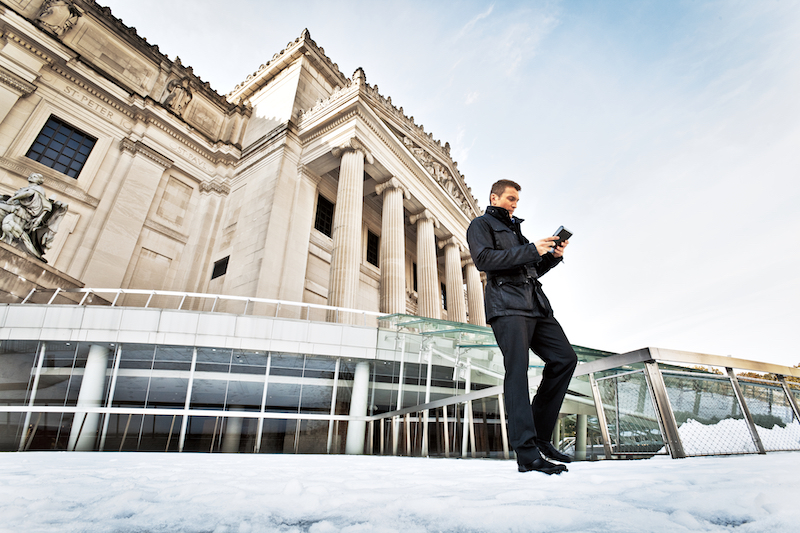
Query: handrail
pixel 215 297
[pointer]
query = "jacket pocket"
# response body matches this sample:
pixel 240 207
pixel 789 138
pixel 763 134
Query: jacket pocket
pixel 516 295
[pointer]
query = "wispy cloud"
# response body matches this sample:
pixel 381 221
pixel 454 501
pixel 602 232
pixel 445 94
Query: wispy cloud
pixel 471 98
pixel 469 25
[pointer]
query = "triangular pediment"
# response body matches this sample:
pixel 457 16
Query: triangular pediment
pixel 412 138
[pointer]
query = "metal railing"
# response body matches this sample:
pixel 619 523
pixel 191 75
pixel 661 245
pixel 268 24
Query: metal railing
pixel 332 315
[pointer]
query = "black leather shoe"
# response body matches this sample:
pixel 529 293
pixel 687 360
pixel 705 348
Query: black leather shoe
pixel 542 465
pixel 548 450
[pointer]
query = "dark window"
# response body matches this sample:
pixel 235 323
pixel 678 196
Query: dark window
pixel 61 147
pixel 373 242
pixel 414 274
pixel 444 296
pixel 324 222
pixel 220 268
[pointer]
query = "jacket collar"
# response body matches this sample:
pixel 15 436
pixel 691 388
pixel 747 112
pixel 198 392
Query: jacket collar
pixel 502 215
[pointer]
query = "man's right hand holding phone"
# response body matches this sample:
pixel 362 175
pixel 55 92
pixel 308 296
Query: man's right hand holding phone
pixel 546 245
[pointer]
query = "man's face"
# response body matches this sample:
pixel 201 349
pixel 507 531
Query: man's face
pixel 508 200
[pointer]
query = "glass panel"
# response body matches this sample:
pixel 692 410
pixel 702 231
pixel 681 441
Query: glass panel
pixel 283 397
pixel 168 389
pixel 201 432
pixel 209 393
pixel 137 356
pixel 17 366
pixel 175 357
pixel 245 395
pixel 278 436
pixel 286 365
pixel 774 418
pixel 709 418
pixel 10 430
pixel 632 423
pixel 49 431
pixel 313 437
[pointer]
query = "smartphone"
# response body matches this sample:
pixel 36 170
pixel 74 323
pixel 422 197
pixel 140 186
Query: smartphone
pixel 563 234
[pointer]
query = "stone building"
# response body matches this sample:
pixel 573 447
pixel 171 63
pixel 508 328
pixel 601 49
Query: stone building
pixel 301 184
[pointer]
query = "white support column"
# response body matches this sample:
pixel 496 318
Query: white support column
pixel 580 438
pixel 356 429
pixel 346 255
pixel 84 425
pixel 477 311
pixel 456 310
pixel 393 250
pixel 427 271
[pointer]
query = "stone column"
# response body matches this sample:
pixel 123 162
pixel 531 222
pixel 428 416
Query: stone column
pixel 477 311
pixel 393 249
pixel 456 310
pixel 83 433
pixel 346 255
pixel 427 271
pixel 359 399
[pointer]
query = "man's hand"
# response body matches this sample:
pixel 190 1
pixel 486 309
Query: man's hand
pixel 559 251
pixel 545 245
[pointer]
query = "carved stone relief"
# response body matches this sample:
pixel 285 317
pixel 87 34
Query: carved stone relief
pixel 58 16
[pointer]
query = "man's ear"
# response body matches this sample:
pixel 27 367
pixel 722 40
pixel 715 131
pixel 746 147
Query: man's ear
pixel 493 198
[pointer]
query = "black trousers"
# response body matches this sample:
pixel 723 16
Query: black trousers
pixel 527 421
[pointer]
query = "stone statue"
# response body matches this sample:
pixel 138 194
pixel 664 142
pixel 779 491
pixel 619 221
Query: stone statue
pixel 30 219
pixel 179 95
pixel 58 16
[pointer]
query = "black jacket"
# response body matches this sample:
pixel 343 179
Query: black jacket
pixel 512 265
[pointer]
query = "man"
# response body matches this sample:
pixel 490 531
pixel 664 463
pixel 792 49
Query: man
pixel 521 318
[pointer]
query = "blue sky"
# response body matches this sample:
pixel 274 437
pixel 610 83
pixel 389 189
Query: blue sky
pixel 665 135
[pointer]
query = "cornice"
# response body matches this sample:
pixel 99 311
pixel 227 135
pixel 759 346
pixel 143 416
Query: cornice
pixel 16 83
pixel 216 185
pixel 25 44
pixel 138 147
pixel 267 71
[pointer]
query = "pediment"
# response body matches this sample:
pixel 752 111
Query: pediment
pixel 411 138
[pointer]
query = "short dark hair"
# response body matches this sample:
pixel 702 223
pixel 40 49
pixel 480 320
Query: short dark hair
pixel 499 187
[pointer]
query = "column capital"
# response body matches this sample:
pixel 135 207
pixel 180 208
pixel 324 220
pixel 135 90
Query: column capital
pixel 353 145
pixel 425 214
pixel 450 241
pixel 467 260
pixel 392 183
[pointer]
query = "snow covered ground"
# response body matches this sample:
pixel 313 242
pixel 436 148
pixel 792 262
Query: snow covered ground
pixel 153 492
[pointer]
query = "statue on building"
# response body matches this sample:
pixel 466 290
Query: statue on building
pixel 30 219
pixel 58 16
pixel 179 95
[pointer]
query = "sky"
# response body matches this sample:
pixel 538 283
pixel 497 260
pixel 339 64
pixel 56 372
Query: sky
pixel 253 493
pixel 664 134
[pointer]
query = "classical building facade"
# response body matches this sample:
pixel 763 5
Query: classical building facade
pixel 301 184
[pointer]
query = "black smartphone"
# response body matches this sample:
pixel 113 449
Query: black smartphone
pixel 563 234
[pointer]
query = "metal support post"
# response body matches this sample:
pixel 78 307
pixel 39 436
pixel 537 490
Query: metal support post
pixel 260 428
pixel 669 426
pixel 501 407
pixel 601 416
pixel 185 420
pixel 333 403
pixel 34 388
pixel 751 426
